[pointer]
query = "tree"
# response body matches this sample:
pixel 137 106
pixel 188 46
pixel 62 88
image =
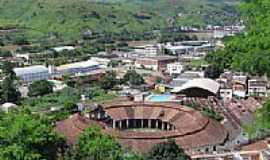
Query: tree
pixel 69 94
pixel 96 92
pixel 211 113
pixel 212 72
pixel 21 40
pixel 40 88
pixel 7 69
pixel 2 42
pixel 167 151
pixel 249 51
pixel 260 127
pixel 70 106
pixel 93 145
pixel 27 136
pixel 114 63
pixel 109 80
pixel 133 78
pixel 10 92
pixel 4 53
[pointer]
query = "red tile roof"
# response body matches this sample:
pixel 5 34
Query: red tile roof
pixel 192 128
pixel 257 146
pixel 72 127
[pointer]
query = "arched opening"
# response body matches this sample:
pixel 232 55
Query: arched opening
pixel 134 124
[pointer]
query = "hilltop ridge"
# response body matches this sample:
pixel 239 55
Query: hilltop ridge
pixel 69 18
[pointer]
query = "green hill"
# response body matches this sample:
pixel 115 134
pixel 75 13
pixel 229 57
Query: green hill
pixel 70 18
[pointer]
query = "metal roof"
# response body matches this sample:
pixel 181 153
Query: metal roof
pixel 30 69
pixel 60 49
pixel 203 83
pixel 83 64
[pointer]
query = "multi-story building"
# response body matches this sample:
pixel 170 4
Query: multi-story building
pixel 32 73
pixel 257 87
pixel 175 68
pixel 158 63
pixel 225 91
pixel 148 50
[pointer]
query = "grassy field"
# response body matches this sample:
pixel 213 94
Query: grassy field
pixel 70 18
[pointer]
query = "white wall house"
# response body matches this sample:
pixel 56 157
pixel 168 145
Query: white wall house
pixel 148 50
pixel 175 68
pixel 226 93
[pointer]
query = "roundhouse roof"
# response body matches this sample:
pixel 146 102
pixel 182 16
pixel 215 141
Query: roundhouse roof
pixel 192 128
pixel 203 83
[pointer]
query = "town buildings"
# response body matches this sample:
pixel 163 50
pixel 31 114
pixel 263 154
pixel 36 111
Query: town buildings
pixel 191 48
pixel 259 150
pixel 39 72
pixel 175 68
pixel 158 63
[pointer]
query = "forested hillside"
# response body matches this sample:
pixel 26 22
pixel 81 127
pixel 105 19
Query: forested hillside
pixel 70 18
pixel 249 52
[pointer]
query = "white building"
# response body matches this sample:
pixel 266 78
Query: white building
pixel 102 61
pixel 257 88
pixel 240 78
pixel 192 48
pixel 175 68
pixel 226 93
pixel 6 107
pixel 58 85
pixel 157 63
pixel 78 68
pixel 32 73
pixel 147 50
pixel 185 77
pixel 175 50
pixel 60 49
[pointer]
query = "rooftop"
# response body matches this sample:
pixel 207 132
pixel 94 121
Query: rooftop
pixel 83 64
pixel 257 146
pixel 203 83
pixel 192 129
pixel 159 58
pixel 60 49
pixel 30 70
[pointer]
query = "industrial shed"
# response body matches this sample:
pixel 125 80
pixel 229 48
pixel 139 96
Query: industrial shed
pixel 32 73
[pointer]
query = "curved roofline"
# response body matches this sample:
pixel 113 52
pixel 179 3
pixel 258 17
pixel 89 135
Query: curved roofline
pixel 203 83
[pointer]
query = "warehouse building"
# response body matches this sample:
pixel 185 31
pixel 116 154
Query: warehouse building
pixel 78 68
pixel 32 73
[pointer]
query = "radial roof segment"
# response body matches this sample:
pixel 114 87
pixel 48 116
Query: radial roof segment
pixel 203 83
